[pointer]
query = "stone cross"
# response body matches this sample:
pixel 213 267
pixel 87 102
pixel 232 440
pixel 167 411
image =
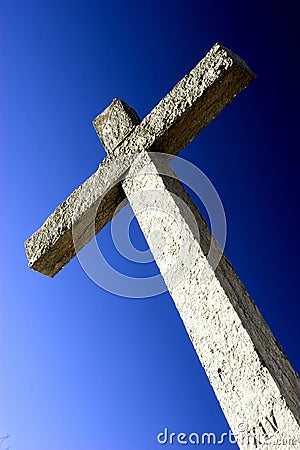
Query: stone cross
pixel 253 380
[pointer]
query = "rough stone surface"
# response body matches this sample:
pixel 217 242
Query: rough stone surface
pixel 252 378
pixel 115 123
pixel 174 122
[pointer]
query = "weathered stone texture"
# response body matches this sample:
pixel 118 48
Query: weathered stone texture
pixel 51 247
pixel 172 124
pixel 115 123
pixel 254 382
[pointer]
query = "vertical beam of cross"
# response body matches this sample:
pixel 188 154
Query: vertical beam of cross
pixel 254 382
pixel 256 386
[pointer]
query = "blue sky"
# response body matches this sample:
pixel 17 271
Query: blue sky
pixel 82 368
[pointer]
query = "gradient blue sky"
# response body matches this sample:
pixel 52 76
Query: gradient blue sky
pixel 82 368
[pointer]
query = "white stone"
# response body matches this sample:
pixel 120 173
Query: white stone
pixel 255 384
